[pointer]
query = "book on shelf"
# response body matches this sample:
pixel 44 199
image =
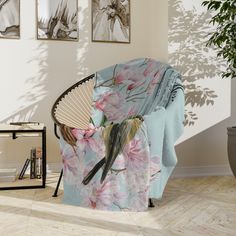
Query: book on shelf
pixel 24 168
pixel 8 175
pixel 36 163
pixel 28 124
pixel 32 163
pixel 22 125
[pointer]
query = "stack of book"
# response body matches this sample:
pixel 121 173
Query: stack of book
pixel 8 175
pixel 35 164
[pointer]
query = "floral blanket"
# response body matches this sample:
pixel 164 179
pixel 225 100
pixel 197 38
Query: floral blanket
pixel 127 154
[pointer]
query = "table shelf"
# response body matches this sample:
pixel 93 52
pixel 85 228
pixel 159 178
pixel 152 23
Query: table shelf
pixel 15 132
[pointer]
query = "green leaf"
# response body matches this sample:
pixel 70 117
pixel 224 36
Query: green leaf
pixel 224 37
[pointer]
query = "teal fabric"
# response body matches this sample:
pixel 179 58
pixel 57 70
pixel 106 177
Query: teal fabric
pixel 166 127
pixel 139 88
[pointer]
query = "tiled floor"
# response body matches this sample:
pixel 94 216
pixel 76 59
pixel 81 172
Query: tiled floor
pixel 192 206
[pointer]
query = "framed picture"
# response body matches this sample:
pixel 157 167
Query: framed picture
pixel 10 19
pixel 111 21
pixel 57 20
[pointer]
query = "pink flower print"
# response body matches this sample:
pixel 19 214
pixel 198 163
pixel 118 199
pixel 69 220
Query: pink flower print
pixel 136 81
pixel 135 85
pixel 70 165
pixel 100 104
pixel 111 104
pixel 140 200
pixel 130 77
pixel 153 83
pixel 103 195
pixel 93 204
pixel 115 115
pixel 70 160
pixel 136 155
pixel 84 133
pixel 119 163
pixel 113 99
pixel 151 66
pixel 85 139
pixel 123 75
pixel 132 111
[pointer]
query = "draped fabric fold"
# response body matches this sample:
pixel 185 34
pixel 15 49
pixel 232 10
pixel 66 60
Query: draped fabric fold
pixel 127 154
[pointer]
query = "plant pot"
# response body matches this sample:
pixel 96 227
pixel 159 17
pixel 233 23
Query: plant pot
pixel 232 148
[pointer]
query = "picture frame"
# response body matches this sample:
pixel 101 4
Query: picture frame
pixel 57 20
pixel 111 21
pixel 10 19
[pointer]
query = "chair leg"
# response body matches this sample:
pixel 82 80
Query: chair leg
pixel 58 184
pixel 151 203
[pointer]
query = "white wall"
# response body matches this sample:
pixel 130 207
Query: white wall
pixel 209 148
pixel 34 73
pixel 207 95
pixel 159 29
pixel 206 152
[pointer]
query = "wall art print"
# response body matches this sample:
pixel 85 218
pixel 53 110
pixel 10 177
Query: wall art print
pixel 57 20
pixel 111 21
pixel 10 19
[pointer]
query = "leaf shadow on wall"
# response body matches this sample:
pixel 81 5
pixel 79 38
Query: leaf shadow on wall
pixel 59 67
pixel 188 33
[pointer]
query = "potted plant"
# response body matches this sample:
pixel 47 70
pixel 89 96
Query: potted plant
pixel 224 40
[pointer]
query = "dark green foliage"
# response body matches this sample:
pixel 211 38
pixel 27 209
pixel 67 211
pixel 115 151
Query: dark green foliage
pixel 224 37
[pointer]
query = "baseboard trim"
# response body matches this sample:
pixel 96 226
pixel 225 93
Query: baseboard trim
pixel 197 171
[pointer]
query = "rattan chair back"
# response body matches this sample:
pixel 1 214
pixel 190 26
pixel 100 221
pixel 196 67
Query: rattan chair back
pixel 73 108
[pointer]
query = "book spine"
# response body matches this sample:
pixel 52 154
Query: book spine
pixel 38 162
pixel 39 168
pixel 32 163
pixel 24 168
